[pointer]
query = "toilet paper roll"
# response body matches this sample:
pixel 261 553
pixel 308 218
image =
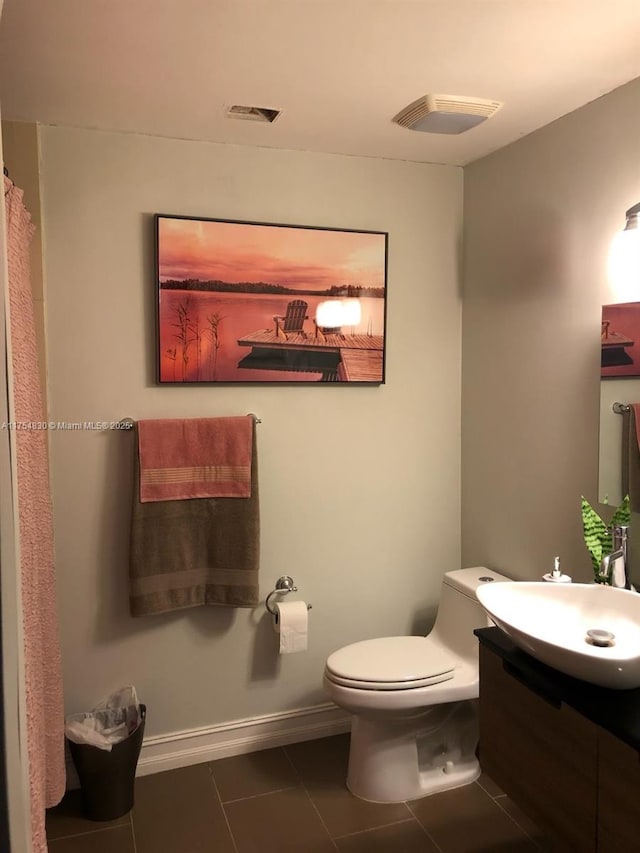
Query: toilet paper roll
pixel 292 623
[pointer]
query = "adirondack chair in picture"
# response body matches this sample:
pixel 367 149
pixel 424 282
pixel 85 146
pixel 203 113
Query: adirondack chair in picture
pixel 293 321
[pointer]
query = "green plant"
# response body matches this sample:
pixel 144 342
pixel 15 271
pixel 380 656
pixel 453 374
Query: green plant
pixel 598 537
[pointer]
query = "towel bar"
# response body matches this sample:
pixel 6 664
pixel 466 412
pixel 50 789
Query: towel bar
pixel 128 423
pixel 284 585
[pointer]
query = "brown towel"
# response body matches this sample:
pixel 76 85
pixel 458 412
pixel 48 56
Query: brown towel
pixel 631 457
pixel 186 553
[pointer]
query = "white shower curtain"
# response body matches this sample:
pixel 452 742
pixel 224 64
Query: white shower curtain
pixel 42 663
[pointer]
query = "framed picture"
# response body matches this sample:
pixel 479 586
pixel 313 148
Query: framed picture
pixel 620 340
pixel 251 302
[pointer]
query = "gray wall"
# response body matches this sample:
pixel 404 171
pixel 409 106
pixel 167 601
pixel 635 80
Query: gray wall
pixel 539 216
pixel 360 486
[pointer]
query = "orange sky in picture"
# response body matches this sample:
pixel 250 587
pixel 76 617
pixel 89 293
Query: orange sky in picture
pixel 305 258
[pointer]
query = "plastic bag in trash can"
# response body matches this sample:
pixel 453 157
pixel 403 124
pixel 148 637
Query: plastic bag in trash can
pixel 111 721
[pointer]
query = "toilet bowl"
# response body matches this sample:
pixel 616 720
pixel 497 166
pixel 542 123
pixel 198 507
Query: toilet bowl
pixel 413 700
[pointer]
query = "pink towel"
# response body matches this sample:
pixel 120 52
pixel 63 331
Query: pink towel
pixel 198 458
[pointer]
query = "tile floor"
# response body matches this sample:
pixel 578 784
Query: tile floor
pixel 292 800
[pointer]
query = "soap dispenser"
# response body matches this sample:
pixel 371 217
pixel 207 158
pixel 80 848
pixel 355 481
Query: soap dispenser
pixel 557 575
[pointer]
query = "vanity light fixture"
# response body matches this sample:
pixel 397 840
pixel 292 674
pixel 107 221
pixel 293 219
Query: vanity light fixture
pixel 624 258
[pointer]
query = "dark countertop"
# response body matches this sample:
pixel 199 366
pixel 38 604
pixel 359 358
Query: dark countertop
pixel 616 711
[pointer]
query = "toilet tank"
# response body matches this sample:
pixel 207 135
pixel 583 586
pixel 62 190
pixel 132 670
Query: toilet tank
pixel 460 612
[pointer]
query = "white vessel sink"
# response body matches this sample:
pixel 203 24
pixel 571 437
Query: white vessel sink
pixel 550 622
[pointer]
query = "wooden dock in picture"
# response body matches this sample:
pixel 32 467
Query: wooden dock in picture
pixel 360 365
pixel 340 358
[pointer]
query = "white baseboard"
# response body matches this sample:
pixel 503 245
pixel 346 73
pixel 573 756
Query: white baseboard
pixel 208 743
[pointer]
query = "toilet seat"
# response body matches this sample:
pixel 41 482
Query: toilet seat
pixel 390 663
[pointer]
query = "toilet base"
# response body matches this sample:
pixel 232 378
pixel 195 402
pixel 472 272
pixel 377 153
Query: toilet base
pixel 399 759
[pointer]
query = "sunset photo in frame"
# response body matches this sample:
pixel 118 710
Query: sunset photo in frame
pixel 251 302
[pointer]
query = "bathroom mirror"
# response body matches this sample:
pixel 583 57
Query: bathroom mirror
pixel 619 384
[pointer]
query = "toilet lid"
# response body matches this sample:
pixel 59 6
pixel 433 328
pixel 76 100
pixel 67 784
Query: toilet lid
pixel 390 663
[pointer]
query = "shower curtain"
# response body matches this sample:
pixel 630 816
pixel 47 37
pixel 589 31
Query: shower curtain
pixel 42 661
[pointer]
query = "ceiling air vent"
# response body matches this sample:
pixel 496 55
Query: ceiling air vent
pixel 253 113
pixel 446 113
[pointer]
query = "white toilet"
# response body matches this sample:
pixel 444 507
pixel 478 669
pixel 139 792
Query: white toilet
pixel 413 700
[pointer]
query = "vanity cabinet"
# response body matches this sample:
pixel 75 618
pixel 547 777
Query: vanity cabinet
pixel 618 795
pixel 545 740
pixel 543 754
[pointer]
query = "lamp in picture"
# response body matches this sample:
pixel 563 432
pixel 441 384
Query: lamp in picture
pixel 351 313
pixel 329 317
pixel 624 258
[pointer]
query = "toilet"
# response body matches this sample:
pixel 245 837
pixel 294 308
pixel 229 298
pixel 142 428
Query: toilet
pixel 414 700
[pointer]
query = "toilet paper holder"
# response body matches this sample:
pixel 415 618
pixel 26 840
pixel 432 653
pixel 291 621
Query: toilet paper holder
pixel 284 586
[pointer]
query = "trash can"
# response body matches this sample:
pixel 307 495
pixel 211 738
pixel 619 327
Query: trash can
pixel 107 778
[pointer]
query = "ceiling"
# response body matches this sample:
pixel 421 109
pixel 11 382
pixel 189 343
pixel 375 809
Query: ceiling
pixel 338 69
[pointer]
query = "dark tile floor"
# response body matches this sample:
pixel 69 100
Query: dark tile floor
pixel 292 800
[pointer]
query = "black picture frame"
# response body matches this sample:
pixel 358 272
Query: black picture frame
pixel 241 302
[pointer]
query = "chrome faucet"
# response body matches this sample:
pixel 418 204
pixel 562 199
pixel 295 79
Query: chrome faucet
pixel 607 565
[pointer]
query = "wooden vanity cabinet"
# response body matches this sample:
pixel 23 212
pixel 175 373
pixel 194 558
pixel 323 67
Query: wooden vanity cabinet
pixel 618 795
pixel 576 781
pixel 542 753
